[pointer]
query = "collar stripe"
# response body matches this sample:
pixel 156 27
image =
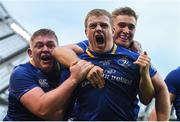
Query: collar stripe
pixel 92 56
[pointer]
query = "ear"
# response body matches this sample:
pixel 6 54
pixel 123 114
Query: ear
pixel 113 30
pixel 85 31
pixel 29 51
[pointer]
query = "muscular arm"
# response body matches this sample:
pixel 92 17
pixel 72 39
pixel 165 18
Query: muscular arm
pixel 67 54
pixel 51 105
pixel 146 88
pixel 162 101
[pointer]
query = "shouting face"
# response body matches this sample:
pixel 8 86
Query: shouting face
pixel 40 52
pixel 99 33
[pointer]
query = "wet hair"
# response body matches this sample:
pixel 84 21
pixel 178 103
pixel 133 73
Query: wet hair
pixel 98 12
pixel 124 11
pixel 43 32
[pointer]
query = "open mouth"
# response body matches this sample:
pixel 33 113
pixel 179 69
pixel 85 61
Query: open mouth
pixel 45 57
pixel 100 39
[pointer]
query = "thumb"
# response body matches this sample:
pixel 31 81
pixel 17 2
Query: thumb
pixel 136 62
pixel 145 53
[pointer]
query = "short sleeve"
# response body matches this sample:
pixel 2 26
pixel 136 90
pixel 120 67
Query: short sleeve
pixel 21 81
pixel 65 73
pixel 172 81
pixel 152 70
pixel 83 44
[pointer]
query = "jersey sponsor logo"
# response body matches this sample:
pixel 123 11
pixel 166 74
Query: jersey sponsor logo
pixel 110 78
pixel 114 78
pixel 43 83
pixel 109 71
pixel 124 62
pixel 105 63
pixel 120 79
pixel 85 83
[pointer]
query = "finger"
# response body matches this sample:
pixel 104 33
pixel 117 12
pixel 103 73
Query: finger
pixel 98 75
pixel 101 78
pixel 91 78
pixel 147 59
pixel 144 57
pixel 87 67
pixel 73 63
pixel 145 53
pixel 93 82
pixel 95 76
pixel 97 80
pixel 141 62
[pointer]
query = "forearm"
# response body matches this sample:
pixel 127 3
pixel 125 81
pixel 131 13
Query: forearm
pixel 162 104
pixel 56 116
pixel 64 55
pixel 56 100
pixel 146 89
pixel 162 101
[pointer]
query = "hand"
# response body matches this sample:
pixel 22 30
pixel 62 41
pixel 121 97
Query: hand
pixel 143 61
pixel 95 76
pixel 79 69
pixel 135 46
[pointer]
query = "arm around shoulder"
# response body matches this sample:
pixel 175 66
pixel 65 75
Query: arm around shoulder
pixel 65 54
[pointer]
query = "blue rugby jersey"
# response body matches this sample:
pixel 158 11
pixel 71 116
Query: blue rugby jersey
pixel 117 100
pixel 173 83
pixel 24 78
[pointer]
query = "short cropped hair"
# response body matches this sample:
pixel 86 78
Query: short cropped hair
pixel 98 12
pixel 124 11
pixel 43 32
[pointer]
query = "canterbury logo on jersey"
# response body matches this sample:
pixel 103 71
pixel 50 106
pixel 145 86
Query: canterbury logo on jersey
pixel 43 83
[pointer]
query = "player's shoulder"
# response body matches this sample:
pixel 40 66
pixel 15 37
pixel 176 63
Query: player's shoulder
pixel 175 72
pixel 25 68
pixel 124 51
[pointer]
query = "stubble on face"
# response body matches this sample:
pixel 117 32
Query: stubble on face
pixel 41 49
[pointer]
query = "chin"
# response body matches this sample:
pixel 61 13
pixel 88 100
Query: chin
pixel 124 43
pixel 47 68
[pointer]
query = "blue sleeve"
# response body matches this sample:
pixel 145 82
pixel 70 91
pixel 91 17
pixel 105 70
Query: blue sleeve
pixel 173 81
pixel 65 73
pixel 21 81
pixel 84 44
pixel 152 70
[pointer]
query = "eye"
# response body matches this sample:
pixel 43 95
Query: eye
pixel 131 27
pixel 92 26
pixel 51 45
pixel 122 24
pixel 39 45
pixel 104 25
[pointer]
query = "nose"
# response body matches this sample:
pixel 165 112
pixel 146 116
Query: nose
pixel 126 29
pixel 98 27
pixel 45 48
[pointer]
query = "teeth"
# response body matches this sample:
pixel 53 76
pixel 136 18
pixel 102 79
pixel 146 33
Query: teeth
pixel 124 37
pixel 45 57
